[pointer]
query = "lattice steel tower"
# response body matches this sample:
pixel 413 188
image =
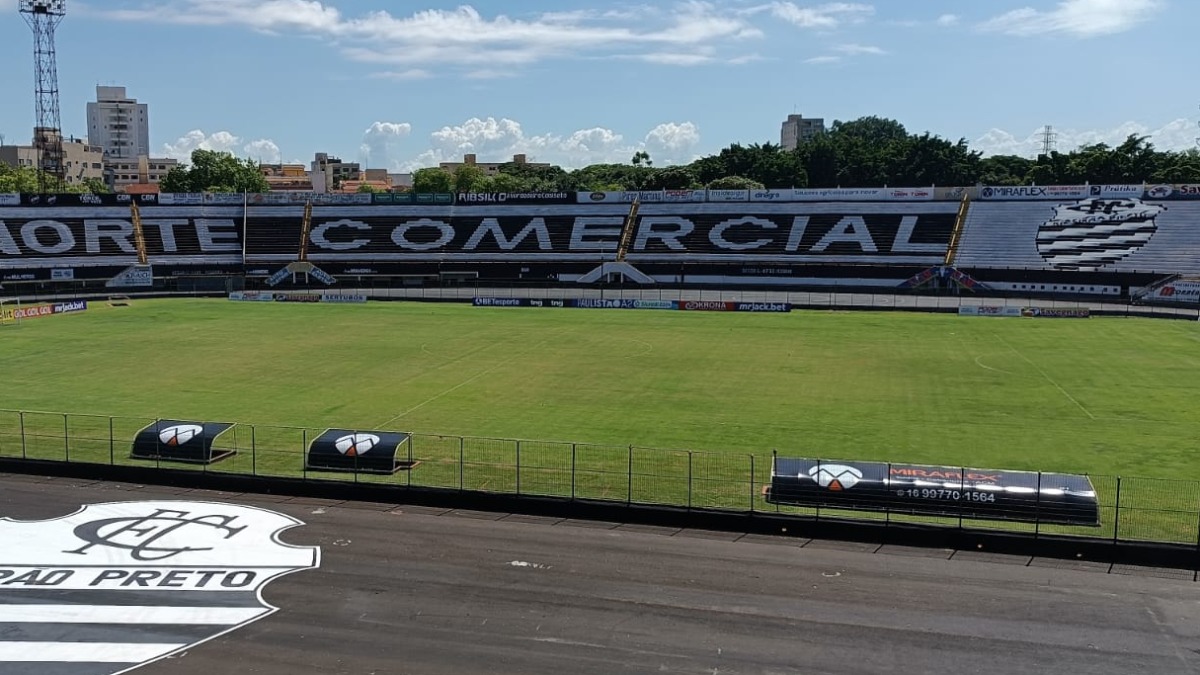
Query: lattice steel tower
pixel 43 16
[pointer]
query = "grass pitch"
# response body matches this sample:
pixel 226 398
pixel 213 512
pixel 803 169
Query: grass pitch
pixel 1101 396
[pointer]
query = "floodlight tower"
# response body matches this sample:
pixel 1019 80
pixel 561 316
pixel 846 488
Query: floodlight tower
pixel 43 16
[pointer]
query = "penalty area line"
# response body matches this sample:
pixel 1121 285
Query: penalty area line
pixel 1047 377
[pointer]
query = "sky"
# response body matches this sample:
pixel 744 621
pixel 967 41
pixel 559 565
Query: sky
pixel 401 85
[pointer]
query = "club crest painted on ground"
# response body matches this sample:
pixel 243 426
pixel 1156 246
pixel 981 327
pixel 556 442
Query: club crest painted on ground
pixel 118 585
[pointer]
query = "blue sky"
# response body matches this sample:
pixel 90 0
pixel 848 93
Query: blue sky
pixel 406 84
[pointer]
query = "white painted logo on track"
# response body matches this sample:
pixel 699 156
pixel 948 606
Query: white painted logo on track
pixel 118 585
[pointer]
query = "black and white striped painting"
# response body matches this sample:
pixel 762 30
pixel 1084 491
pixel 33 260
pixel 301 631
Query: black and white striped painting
pixel 1092 233
pixel 115 586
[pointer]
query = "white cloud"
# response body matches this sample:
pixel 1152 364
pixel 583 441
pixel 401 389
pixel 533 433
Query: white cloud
pixel 497 140
pixel 464 37
pixel 264 150
pixel 1079 18
pixel 947 20
pixel 1178 134
pixel 828 15
pixel 819 60
pixel 857 50
pixel 402 75
pixel 380 140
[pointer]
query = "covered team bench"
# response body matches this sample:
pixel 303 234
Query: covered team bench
pixel 359 452
pixel 981 494
pixel 182 441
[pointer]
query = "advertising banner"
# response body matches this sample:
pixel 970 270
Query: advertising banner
pixel 771 196
pixel 707 306
pixel 137 276
pixel 628 197
pixel 983 494
pixel 1054 313
pixel 1173 192
pixel 622 303
pixel 952 194
pixel 500 302
pixel 62 274
pixel 775 307
pixel 70 307
pixel 181 198
pixel 494 198
pixel 1180 292
pixel 297 297
pixel 989 310
pixel 10 199
pixel 1035 192
pixel 343 298
pixel 691 196
pixel 1119 191
pixel 31 312
pixel 844 194
pixel 728 195
pixel 251 296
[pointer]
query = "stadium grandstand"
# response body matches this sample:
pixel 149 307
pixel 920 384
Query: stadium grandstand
pixel 1092 240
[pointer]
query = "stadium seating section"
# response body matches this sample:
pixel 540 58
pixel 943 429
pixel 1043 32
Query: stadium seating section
pixel 1085 236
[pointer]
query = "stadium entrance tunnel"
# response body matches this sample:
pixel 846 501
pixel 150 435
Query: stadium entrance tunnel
pixel 182 441
pixel 360 452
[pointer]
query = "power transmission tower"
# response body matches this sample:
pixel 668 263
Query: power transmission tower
pixel 1049 140
pixel 43 16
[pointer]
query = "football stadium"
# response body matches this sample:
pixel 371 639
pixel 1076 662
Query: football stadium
pixel 994 357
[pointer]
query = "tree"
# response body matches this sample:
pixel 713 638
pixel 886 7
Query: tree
pixel 432 180
pixel 469 178
pixel 672 178
pixel 27 180
pixel 213 171
pixel 504 182
pixel 734 183
pixel 95 186
pixel 641 158
pixel 366 188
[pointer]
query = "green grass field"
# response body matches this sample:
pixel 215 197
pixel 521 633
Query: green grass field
pixel 1101 396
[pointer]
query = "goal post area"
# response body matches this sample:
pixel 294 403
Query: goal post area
pixel 10 311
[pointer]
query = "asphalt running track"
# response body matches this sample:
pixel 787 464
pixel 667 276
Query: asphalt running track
pixel 415 590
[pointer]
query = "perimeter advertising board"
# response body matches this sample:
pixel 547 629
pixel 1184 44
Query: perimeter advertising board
pixel 1034 192
pixel 1185 292
pixel 981 494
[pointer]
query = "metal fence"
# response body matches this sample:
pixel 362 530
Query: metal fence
pixel 1131 509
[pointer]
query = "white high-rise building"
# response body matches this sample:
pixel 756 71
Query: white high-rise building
pixel 118 124
pixel 798 129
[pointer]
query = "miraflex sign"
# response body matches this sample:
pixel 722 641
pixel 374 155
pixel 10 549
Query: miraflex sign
pixel 115 586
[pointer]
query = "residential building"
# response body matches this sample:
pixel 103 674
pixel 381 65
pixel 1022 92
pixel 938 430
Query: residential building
pixel 798 129
pixel 377 179
pixel 489 167
pixel 81 160
pixel 287 177
pixel 124 172
pixel 401 182
pixel 328 172
pixel 119 124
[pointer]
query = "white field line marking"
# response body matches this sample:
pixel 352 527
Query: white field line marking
pixel 467 381
pixel 1047 377
pixel 979 362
